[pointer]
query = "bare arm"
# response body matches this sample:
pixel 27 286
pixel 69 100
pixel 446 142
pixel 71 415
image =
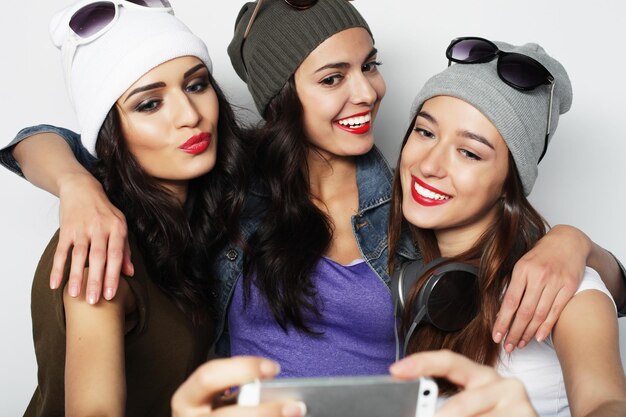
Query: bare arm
pixel 91 227
pixel 605 264
pixel 95 381
pixel 545 279
pixel 484 392
pixel 587 347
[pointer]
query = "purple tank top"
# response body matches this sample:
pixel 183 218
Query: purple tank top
pixel 356 322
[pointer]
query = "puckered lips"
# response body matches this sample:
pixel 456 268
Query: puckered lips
pixel 357 123
pixel 427 195
pixel 197 143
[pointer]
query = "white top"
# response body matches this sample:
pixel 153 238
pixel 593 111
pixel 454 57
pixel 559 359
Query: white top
pixel 537 364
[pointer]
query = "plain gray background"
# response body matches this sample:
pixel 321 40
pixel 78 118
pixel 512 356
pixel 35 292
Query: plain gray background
pixel 580 181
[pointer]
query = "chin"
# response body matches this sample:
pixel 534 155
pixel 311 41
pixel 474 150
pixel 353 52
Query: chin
pixel 361 148
pixel 419 218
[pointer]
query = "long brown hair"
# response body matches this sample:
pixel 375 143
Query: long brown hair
pixel 294 233
pixel 515 230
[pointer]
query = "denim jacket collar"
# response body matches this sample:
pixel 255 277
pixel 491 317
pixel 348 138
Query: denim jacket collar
pixel 374 179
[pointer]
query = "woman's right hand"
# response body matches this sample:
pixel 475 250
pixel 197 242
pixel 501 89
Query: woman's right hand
pixel 483 391
pixel 198 394
pixel 94 229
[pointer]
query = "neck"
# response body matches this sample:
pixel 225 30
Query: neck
pixel 460 239
pixel 330 175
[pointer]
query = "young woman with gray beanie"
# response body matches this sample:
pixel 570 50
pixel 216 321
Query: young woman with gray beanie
pixel 164 138
pixel 313 258
pixel 468 162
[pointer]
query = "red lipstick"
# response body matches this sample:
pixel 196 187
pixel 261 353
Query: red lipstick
pixel 197 143
pixel 358 129
pixel 426 201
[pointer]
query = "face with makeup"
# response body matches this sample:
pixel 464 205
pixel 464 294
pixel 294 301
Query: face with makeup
pixel 452 169
pixel 340 89
pixel 169 121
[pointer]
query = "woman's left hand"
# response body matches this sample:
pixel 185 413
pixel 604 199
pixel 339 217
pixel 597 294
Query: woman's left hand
pixel 483 391
pixel 542 283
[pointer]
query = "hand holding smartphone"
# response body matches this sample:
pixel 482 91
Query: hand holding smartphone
pixel 362 396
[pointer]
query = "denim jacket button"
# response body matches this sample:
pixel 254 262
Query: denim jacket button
pixel 232 255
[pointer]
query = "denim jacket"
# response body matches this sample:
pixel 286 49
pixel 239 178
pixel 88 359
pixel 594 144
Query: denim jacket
pixel 369 225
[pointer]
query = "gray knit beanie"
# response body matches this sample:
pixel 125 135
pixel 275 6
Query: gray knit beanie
pixel 281 38
pixel 520 116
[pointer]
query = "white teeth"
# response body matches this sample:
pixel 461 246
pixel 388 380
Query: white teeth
pixel 429 194
pixel 355 121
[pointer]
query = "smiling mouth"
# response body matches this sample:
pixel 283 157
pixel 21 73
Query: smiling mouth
pixel 358 123
pixel 426 195
pixel 429 194
pixel 356 120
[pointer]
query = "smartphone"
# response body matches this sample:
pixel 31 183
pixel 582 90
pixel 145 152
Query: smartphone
pixel 359 396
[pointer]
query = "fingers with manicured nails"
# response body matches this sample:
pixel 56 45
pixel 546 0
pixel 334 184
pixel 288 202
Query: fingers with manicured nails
pixel 215 376
pixel 79 257
pixel 510 303
pixel 542 311
pixel 117 248
pixel 58 263
pixel 97 261
pixel 561 300
pixel 524 314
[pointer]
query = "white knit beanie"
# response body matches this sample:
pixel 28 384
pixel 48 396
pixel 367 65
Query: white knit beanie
pixel 102 70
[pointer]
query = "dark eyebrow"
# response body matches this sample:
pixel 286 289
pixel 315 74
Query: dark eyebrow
pixel 162 84
pixel 464 133
pixel 194 69
pixel 428 117
pixel 476 137
pixel 373 52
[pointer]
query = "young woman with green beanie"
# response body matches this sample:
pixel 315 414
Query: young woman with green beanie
pixel 319 201
pixel 312 285
pixel 468 162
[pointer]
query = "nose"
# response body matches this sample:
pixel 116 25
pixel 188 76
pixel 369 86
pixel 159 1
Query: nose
pixel 185 112
pixel 434 162
pixel 363 92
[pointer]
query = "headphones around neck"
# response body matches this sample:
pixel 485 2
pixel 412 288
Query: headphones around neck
pixel 449 299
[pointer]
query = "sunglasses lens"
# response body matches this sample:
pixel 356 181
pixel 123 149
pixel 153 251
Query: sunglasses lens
pixel 453 302
pixel 92 18
pixel 522 71
pixel 301 4
pixel 471 50
pixel 152 3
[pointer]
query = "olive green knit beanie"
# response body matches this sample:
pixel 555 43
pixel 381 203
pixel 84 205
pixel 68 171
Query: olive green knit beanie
pixel 280 38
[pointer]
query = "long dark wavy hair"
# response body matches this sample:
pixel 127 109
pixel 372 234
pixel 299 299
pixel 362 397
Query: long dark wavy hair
pixel 515 230
pixel 177 241
pixel 294 234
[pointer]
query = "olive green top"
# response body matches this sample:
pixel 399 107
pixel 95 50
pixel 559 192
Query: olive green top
pixel 162 347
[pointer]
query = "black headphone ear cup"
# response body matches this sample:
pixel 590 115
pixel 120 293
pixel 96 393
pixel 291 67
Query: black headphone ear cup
pixel 399 287
pixel 412 274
